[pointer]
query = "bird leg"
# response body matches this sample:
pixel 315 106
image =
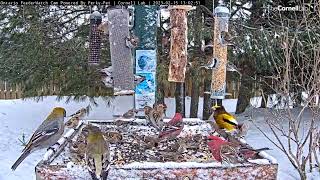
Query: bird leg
pixel 53 149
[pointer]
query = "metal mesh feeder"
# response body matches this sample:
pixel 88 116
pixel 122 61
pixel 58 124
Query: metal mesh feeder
pixel 95 38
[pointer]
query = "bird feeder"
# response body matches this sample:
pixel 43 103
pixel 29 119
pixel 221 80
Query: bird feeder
pixel 179 42
pixel 121 56
pixel 218 85
pixel 95 38
pixel 134 156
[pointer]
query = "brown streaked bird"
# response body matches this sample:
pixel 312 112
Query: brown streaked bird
pixel 157 114
pixel 75 118
pixel 147 114
pixel 130 114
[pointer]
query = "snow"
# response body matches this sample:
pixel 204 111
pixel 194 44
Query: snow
pixel 24 116
pixel 151 165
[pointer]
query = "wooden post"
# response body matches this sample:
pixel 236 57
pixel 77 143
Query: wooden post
pixel 218 84
pixel 179 42
pixel 178 52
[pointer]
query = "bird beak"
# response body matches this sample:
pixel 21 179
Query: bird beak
pixel 215 107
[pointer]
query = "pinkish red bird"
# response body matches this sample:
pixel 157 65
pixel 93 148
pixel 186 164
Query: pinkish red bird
pixel 215 144
pixel 173 128
pixel 224 151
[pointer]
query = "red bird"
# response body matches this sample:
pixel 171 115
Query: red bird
pixel 173 128
pixel 215 146
pixel 224 151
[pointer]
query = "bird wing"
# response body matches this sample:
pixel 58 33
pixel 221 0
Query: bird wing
pixel 90 163
pixel 46 130
pixel 171 128
pixel 106 161
pixel 228 118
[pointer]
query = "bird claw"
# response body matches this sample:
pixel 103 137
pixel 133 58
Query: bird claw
pixel 51 148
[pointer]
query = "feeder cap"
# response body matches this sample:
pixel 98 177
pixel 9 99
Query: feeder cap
pixel 95 15
pixel 221 10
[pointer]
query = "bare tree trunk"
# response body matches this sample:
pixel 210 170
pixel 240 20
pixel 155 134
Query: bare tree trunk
pixel 207 103
pixel 180 98
pixel 245 94
pixel 195 91
pixel 160 94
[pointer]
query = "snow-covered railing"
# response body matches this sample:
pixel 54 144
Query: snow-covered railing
pixel 63 141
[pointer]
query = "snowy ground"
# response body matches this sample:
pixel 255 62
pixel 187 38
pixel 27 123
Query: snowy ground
pixel 18 116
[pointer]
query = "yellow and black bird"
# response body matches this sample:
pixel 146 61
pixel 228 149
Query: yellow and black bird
pixel 223 119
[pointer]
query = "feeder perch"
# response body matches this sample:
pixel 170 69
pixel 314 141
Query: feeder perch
pixel 218 85
pixel 179 42
pixel 95 38
pixel 133 155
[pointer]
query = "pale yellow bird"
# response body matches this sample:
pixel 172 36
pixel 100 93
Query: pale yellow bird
pixel 97 153
pixel 46 135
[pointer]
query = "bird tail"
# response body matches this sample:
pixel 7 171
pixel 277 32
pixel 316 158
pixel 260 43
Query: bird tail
pixel 20 159
pixel 262 149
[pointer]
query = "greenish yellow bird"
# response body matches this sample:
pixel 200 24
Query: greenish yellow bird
pixel 46 135
pixel 97 153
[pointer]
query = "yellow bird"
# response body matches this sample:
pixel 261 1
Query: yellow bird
pixel 223 119
pixel 97 153
pixel 47 134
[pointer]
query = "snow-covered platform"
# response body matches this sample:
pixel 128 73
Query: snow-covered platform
pixel 135 156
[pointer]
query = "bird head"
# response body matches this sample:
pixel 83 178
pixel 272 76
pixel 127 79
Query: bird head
pixel 147 109
pixel 218 108
pixel 178 116
pixel 215 138
pixel 176 119
pixel 90 129
pixel 160 107
pixel 215 107
pixel 81 111
pixel 59 111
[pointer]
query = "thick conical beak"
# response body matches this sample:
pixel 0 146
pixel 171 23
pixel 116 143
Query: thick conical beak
pixel 215 107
